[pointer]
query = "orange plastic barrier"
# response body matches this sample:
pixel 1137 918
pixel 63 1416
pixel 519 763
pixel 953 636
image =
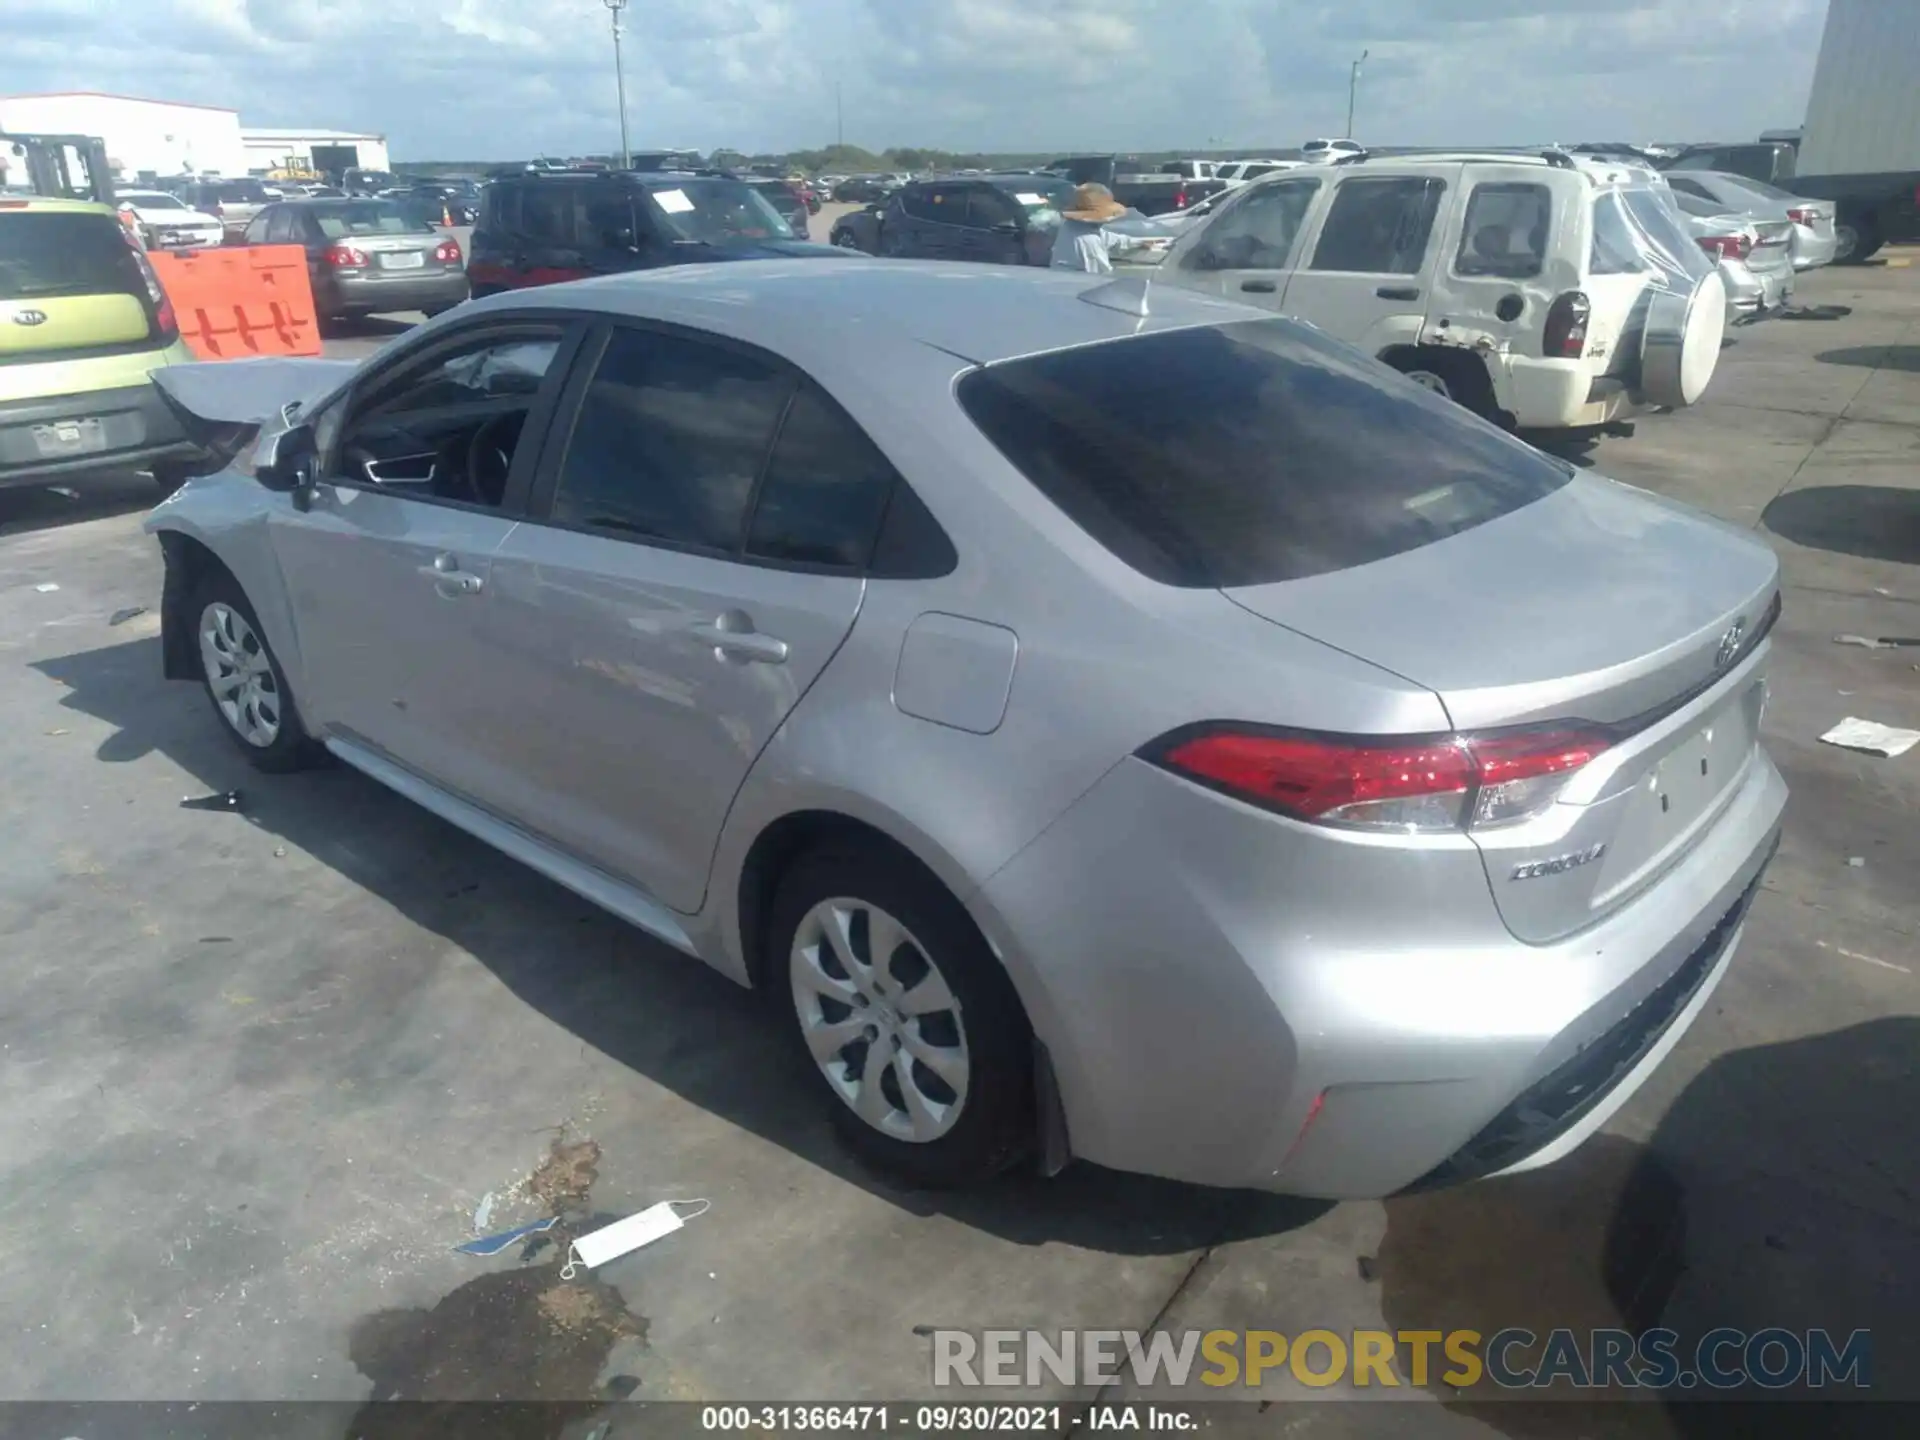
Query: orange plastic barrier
pixel 238 302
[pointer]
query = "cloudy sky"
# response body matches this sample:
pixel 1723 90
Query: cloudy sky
pixel 498 79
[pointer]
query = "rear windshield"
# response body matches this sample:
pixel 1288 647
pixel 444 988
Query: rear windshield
pixel 45 255
pixel 716 212
pixel 1249 453
pixel 243 192
pixel 370 217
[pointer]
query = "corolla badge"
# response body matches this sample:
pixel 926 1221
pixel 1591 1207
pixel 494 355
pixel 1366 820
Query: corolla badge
pixel 1559 864
pixel 29 317
pixel 1730 644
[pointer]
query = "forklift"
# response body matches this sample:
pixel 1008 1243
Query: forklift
pixel 60 167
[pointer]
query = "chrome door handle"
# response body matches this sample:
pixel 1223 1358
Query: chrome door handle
pixel 448 577
pixel 733 637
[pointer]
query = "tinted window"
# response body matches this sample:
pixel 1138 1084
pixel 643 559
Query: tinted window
pixel 502 204
pixel 1689 187
pixel 1505 233
pixel 279 225
pixel 257 229
pixel 1379 226
pixel 988 207
pixel 714 212
pixel 1249 453
pixel 483 372
pixel 669 441
pixel 1258 231
pixel 824 490
pixel 605 221
pixel 242 192
pixel 48 254
pixel 546 214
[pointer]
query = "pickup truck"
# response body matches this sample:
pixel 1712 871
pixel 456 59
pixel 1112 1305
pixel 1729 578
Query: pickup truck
pixel 1158 191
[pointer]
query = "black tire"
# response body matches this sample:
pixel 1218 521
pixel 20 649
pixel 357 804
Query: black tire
pixel 995 1127
pixel 291 747
pixel 1866 238
pixel 1463 376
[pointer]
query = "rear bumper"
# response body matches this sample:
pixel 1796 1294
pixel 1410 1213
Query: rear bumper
pixel 1557 394
pixel 139 429
pixel 1266 1005
pixel 1810 250
pixel 370 294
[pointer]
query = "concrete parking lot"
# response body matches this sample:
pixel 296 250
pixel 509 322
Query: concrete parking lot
pixel 263 1067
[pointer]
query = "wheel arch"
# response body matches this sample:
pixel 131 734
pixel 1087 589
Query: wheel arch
pixel 1474 389
pixel 188 561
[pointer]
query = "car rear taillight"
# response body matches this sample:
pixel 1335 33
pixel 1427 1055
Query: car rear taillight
pixel 1727 247
pixel 1180 198
pixel 1566 333
pixel 447 252
pixel 1802 216
pixel 1423 785
pixel 166 324
pixel 342 256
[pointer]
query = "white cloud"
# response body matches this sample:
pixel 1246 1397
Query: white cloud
pixel 482 79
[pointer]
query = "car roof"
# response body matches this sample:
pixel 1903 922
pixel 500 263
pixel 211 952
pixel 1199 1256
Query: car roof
pixel 812 310
pixel 53 205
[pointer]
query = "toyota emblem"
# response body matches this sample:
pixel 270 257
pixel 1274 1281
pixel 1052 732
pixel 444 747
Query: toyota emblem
pixel 1729 645
pixel 29 317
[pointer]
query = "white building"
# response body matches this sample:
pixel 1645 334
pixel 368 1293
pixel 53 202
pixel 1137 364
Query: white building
pixel 143 137
pixel 327 151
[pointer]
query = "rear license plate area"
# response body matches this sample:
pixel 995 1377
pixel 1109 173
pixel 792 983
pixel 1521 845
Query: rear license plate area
pixel 63 438
pixel 409 260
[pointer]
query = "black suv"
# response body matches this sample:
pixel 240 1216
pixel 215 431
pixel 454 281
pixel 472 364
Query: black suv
pixel 1001 219
pixel 546 227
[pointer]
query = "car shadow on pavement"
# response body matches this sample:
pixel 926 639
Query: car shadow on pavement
pixel 648 1007
pixel 1875 522
pixel 97 496
pixel 1781 1190
pixel 1874 357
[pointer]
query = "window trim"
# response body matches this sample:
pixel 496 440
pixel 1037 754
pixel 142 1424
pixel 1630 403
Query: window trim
pixel 566 412
pixel 533 436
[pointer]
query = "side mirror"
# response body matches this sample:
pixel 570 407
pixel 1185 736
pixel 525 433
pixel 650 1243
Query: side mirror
pixel 1006 227
pixel 288 464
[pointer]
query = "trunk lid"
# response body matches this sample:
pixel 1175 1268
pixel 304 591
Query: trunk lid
pixel 1596 604
pixel 1773 246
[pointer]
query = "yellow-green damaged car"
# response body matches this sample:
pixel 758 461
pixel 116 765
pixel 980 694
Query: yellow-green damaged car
pixel 83 320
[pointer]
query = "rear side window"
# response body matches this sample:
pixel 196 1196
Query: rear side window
pixel 1615 251
pixel 1249 453
pixel 671 437
pixel 825 489
pixel 48 255
pixel 1505 232
pixel 1379 226
pixel 501 204
pixel 1688 187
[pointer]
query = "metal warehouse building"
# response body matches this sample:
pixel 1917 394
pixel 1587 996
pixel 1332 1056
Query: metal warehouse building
pixel 328 151
pixel 151 137
pixel 156 138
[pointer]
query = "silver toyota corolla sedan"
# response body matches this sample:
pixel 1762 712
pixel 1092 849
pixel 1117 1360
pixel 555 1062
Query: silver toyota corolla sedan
pixel 1109 722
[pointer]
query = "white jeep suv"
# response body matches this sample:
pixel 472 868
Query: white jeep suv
pixel 1541 291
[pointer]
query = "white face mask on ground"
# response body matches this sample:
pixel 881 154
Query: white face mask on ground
pixel 625 1236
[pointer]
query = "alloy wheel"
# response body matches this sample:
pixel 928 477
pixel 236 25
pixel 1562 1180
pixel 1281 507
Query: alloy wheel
pixel 239 674
pixel 880 1020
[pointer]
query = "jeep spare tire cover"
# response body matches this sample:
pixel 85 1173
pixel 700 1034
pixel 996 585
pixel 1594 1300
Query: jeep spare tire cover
pixel 1680 347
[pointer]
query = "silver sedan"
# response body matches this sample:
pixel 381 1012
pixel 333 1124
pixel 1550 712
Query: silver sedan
pixel 1814 242
pixel 1107 724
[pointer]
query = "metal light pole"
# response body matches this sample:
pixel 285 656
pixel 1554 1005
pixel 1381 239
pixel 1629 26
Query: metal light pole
pixel 1353 82
pixel 614 7
pixel 839 117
